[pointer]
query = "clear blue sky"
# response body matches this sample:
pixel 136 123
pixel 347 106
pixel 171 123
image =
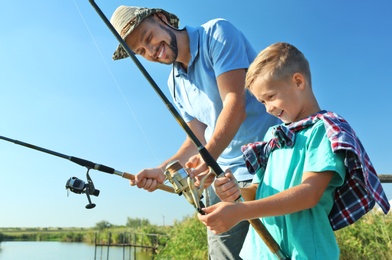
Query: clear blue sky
pixel 59 89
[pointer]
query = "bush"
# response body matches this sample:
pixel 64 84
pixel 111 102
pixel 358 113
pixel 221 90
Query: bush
pixel 369 238
pixel 187 240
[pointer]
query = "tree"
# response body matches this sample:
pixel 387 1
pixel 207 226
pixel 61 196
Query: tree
pixel 137 222
pixel 103 225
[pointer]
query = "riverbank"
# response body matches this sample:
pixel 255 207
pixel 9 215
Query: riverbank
pixel 43 234
pixel 368 238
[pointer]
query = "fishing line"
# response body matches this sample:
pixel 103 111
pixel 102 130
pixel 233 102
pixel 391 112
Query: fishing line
pixel 116 84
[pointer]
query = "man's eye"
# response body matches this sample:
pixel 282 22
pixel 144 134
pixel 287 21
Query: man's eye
pixel 149 38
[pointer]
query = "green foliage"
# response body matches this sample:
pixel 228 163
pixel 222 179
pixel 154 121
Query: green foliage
pixel 135 223
pixel 102 225
pixel 188 240
pixel 368 238
pixel 72 237
pixel 89 237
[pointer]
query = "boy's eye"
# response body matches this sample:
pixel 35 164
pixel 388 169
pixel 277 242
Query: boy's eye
pixel 270 97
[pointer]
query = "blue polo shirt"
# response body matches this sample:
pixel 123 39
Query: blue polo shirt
pixel 217 47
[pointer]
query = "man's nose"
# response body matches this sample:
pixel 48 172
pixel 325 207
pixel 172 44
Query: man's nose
pixel 151 50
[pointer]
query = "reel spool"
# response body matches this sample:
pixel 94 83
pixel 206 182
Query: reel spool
pixel 183 184
pixel 78 186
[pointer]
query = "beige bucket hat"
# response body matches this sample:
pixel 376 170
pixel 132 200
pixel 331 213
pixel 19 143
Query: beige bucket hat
pixel 126 18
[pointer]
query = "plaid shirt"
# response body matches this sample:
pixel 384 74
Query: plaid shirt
pixel 361 187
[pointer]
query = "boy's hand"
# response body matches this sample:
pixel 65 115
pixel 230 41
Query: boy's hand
pixel 221 217
pixel 227 188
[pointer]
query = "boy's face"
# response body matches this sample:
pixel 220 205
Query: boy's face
pixel 282 98
pixel 153 40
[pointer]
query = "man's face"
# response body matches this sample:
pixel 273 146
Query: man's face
pixel 153 40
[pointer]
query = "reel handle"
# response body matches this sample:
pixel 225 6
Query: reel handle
pixel 164 187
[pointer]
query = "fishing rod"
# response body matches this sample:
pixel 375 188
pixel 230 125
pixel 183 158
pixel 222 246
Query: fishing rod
pixel 77 185
pixel 207 157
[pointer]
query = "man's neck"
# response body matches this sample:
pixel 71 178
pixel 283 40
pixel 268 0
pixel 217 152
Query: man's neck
pixel 184 54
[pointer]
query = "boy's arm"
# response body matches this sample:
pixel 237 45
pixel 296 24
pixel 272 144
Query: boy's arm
pixel 303 196
pixel 223 216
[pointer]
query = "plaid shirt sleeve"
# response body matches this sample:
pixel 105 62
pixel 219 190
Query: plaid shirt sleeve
pixel 362 187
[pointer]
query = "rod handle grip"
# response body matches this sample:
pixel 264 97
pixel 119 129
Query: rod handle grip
pixel 163 187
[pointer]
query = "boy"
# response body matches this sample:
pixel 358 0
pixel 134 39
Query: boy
pixel 310 161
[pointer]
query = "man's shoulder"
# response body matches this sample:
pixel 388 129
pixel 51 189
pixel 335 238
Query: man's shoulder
pixel 216 24
pixel 216 20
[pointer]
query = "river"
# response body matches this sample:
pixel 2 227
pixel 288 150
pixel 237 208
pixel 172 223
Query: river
pixel 27 250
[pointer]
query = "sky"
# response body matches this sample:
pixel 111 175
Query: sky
pixel 60 90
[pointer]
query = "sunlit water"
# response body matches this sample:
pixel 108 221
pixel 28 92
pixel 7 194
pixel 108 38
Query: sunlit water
pixel 66 251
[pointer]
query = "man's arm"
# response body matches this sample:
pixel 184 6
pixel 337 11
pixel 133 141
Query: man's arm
pixel 188 148
pixel 232 93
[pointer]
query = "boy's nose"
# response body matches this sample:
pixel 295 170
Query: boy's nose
pixel 269 108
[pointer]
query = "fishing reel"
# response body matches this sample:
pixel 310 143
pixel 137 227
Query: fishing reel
pixel 78 186
pixel 183 184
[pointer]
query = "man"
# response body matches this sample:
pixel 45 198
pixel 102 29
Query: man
pixel 207 86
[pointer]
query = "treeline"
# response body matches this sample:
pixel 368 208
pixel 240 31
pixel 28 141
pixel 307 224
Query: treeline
pixel 87 235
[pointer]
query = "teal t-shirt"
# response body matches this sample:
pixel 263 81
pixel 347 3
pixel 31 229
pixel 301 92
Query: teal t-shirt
pixel 306 234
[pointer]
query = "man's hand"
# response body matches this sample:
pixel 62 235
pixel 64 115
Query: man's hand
pixel 199 170
pixel 148 179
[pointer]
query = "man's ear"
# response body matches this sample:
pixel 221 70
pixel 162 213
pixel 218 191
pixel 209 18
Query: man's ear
pixel 162 17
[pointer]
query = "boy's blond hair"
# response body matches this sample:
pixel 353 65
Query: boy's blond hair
pixel 276 62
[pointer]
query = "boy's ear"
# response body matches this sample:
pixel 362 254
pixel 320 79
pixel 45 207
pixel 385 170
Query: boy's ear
pixel 299 80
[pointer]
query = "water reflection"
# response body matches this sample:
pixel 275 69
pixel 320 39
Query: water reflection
pixel 16 250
